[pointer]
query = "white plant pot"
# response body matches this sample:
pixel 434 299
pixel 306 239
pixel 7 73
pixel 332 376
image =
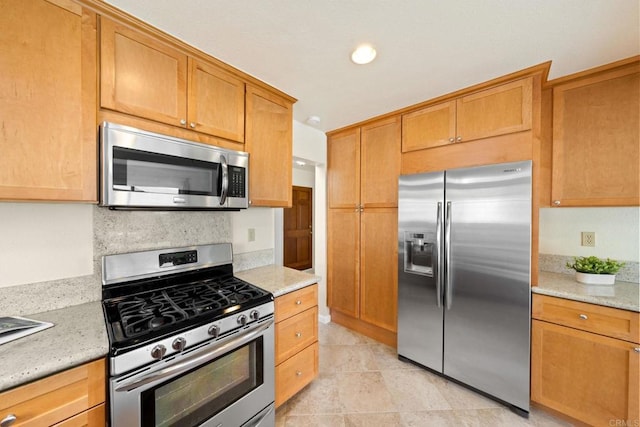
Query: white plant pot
pixel 596 279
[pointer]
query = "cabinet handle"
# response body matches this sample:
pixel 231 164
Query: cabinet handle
pixel 458 139
pixel 583 316
pixel 556 202
pixel 298 373
pixel 192 124
pixel 637 349
pixel 298 302
pixel 8 420
pixel 451 140
pixel 183 122
pixel 298 334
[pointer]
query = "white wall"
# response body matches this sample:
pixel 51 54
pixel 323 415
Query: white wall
pixel 45 241
pixel 617 232
pixel 261 221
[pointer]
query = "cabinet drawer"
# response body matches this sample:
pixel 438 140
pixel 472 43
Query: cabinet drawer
pixel 295 373
pixel 93 417
pixel 296 333
pixel 296 302
pixel 58 397
pixel 598 319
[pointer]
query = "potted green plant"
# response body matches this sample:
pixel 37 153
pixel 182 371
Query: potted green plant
pixel 595 271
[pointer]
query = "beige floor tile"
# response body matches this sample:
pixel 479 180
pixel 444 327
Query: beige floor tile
pixel 430 419
pixel 314 421
pixel 460 397
pixel 332 334
pixel 364 392
pixel 387 358
pixel 319 397
pixel 414 390
pixel 346 358
pixel 373 420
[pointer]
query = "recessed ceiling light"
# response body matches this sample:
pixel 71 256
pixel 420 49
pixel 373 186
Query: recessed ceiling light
pixel 363 54
pixel 300 163
pixel 313 120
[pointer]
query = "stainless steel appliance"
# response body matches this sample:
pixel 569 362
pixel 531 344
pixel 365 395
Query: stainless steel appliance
pixel 145 170
pixel 464 277
pixel 190 344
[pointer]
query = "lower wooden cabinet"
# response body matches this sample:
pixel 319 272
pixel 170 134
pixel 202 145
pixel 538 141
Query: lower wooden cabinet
pixel 585 375
pixel 71 398
pixel 296 341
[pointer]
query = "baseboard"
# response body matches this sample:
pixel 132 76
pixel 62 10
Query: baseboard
pixel 324 318
pixel 377 333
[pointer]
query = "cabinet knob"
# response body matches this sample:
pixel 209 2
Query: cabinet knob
pixel 458 139
pixel 451 139
pixel 298 373
pixel 583 316
pixel 298 302
pixel 183 122
pixel 8 420
pixel 556 202
pixel 298 334
pixel 192 125
pixel 637 349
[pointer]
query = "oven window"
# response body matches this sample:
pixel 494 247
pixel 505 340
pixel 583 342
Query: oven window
pixel 161 173
pixel 192 398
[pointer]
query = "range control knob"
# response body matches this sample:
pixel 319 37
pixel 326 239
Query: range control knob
pixel 179 344
pixel 214 331
pixel 158 351
pixel 242 319
pixel 254 315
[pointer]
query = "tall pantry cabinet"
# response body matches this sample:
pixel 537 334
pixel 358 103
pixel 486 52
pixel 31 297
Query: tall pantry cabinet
pixel 363 170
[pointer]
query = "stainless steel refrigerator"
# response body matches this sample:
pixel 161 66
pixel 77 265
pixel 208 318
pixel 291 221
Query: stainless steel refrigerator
pixel 464 277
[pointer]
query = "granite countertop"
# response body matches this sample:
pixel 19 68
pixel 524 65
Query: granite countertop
pixel 277 279
pixel 624 295
pixel 79 335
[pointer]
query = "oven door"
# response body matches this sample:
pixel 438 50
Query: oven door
pixel 224 383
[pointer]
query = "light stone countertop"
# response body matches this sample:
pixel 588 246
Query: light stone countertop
pixel 277 279
pixel 79 335
pixel 624 295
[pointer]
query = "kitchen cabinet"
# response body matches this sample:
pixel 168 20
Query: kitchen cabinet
pixel 596 134
pixel 503 109
pixel 195 94
pixel 48 108
pixel 363 170
pixel 585 360
pixel 296 317
pixel 269 142
pixel 71 398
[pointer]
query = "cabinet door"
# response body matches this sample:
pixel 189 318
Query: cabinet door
pixel 216 101
pixel 379 267
pixel 343 252
pixel 497 111
pixel 141 76
pixel 429 127
pixel 48 109
pixel 380 163
pixel 596 129
pixel 269 143
pixel 589 377
pixel 343 169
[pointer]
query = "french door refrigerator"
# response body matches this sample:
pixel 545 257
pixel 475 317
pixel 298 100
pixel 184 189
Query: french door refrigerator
pixel 464 277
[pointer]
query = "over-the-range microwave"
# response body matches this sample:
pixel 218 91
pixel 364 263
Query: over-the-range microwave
pixel 146 170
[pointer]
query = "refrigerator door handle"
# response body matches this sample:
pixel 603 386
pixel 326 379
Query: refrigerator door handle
pixel 447 260
pixel 438 256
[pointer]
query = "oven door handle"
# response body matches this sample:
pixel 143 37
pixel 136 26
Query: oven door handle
pixel 195 360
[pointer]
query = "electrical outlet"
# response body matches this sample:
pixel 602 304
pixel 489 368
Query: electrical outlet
pixel 252 235
pixel 588 238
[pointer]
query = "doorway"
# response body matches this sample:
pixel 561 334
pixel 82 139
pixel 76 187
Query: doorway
pixel 298 232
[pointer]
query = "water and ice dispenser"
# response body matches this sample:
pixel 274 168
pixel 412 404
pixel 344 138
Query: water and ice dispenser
pixel 420 253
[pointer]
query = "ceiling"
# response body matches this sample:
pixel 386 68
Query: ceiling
pixel 426 48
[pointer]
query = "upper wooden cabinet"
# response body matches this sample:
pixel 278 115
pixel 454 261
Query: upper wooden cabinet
pixel 181 91
pixel 48 108
pixel 507 108
pixel 364 165
pixel 596 137
pixel 269 133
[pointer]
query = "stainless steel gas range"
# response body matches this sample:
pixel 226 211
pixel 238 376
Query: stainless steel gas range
pixel 190 344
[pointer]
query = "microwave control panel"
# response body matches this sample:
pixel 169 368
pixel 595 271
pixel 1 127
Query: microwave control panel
pixel 237 182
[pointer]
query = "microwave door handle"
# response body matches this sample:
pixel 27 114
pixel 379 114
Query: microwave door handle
pixel 225 180
pixel 161 190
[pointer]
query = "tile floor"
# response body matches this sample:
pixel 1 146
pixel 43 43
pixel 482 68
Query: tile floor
pixel 362 383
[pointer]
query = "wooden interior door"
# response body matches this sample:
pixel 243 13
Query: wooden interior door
pixel 298 233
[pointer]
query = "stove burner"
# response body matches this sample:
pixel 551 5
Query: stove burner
pixel 156 322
